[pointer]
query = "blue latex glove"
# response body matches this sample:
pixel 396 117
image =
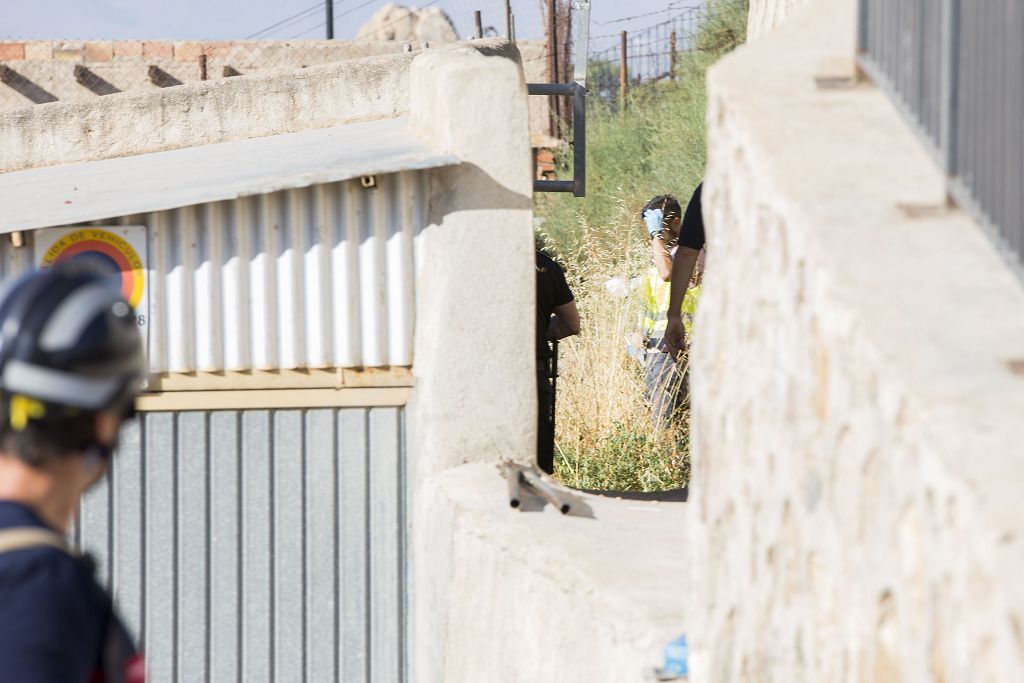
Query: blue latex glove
pixel 653 219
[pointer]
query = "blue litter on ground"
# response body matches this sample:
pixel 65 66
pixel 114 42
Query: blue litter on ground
pixel 677 655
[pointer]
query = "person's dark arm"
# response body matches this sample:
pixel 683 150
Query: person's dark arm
pixel 565 322
pixel 691 241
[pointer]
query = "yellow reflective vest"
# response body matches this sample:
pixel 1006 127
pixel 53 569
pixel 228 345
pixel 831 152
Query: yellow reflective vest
pixel 654 302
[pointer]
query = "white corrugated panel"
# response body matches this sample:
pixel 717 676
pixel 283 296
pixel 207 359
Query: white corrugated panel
pixel 315 277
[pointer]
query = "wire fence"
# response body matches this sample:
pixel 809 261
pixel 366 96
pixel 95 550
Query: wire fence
pixel 653 53
pixel 954 69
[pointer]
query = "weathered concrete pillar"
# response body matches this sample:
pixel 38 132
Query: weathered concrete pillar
pixel 475 397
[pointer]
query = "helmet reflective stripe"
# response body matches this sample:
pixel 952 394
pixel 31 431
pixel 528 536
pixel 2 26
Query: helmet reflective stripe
pixel 74 315
pixel 88 393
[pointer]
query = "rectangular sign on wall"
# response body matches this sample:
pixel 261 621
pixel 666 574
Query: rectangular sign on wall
pixel 123 248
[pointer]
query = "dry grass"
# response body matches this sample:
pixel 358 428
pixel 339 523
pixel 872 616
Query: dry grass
pixel 604 434
pixel 604 437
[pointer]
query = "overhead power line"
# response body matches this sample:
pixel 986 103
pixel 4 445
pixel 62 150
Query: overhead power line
pixel 336 17
pixel 286 20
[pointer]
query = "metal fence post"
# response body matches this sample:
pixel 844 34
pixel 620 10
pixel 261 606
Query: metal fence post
pixel 579 141
pixel 862 26
pixel 623 71
pixel 672 57
pixel 555 103
pixel 950 86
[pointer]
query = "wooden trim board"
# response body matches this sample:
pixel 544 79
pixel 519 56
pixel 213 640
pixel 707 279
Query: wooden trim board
pixel 327 378
pixel 268 399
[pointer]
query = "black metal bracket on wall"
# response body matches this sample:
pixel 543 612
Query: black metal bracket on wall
pixel 578 184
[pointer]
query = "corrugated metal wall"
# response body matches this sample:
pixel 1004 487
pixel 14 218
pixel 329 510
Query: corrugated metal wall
pixel 258 545
pixel 307 278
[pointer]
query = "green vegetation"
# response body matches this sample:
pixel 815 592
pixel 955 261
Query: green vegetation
pixel 657 144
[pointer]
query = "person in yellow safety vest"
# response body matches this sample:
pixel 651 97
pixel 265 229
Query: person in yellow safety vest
pixel 664 370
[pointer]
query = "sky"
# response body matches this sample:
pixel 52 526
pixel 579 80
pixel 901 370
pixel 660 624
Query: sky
pixel 234 19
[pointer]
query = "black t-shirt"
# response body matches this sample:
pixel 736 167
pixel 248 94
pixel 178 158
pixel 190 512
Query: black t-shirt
pixel 56 622
pixel 552 292
pixel 691 232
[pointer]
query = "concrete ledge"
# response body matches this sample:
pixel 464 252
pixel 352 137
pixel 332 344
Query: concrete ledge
pixel 857 423
pixel 535 596
pixel 204 113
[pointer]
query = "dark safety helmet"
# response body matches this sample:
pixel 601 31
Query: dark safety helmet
pixel 69 345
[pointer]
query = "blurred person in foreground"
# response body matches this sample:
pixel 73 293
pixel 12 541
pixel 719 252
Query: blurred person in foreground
pixel 676 241
pixel 557 318
pixel 71 362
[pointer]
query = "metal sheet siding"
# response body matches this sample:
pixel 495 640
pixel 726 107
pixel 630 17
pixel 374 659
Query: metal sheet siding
pixel 258 545
pixel 308 278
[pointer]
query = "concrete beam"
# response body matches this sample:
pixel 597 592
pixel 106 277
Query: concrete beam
pixel 93 81
pixel 24 86
pixel 161 78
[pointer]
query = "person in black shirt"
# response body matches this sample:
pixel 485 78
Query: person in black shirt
pixel 70 365
pixel 557 317
pixel 691 242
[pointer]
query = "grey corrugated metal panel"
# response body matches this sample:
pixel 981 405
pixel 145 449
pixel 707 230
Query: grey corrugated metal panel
pixel 261 545
pixel 257 547
pixel 324 539
pixel 354 577
pixel 225 546
pixel 160 534
pixel 76 193
pixel 128 480
pixel 193 562
pixel 289 543
pixel 387 626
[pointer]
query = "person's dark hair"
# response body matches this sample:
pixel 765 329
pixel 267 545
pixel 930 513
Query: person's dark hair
pixel 45 440
pixel 668 204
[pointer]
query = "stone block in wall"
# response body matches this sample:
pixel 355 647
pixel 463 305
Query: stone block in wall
pixel 158 50
pixel 12 51
pixel 40 50
pixel 68 52
pixel 99 51
pixel 217 50
pixel 128 49
pixel 187 51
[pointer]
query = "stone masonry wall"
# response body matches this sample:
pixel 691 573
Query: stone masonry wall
pixel 857 460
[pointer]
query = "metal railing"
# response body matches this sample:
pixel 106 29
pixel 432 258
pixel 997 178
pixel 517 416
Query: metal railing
pixel 956 70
